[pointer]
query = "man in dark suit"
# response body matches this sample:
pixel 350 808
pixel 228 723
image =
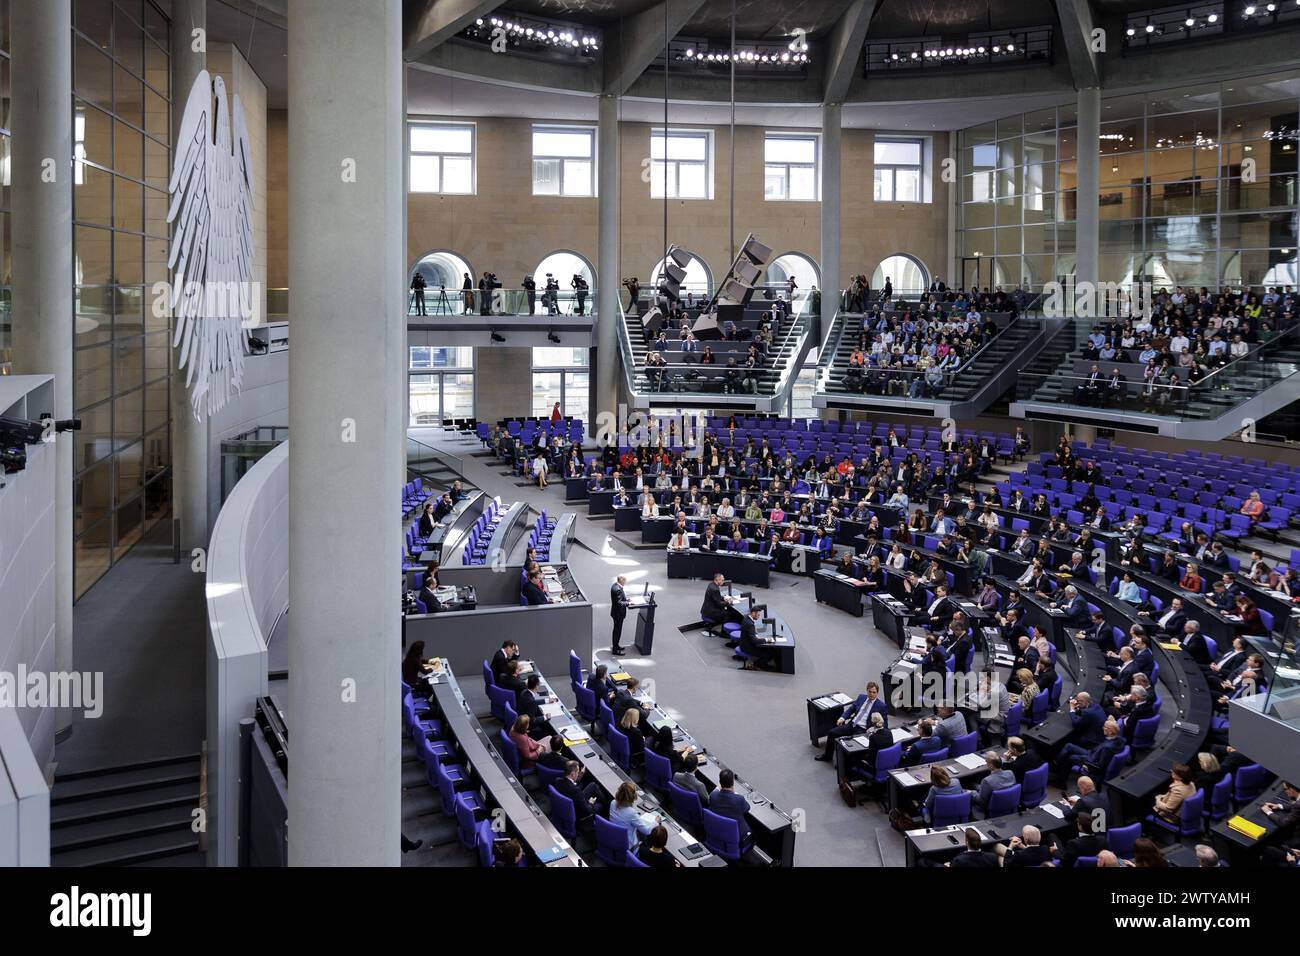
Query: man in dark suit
pixel 1025 850
pixel 618 603
pixel 856 718
pixel 443 507
pixel 1091 803
pixel 598 683
pixel 587 799
pixel 1137 704
pixel 510 679
pixel 509 651
pixel 1116 387
pixel 1092 761
pixel 726 802
pixel 533 592
pixel 1119 677
pixel 927 743
pixel 1019 759
pixel 974 855
pixel 1026 659
pixel 1097 631
pixel 429 598
pixel 1086 719
pixel 1074 608
pixel 758 649
pixel 1142 656
pixel 1085 843
pixel 1193 642
pixel 959 645
pixel 529 700
pixel 940 608
pixel 1227 662
pixel 1169 622
pixel 715 607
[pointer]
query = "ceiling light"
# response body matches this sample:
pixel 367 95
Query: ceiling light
pixel 1189 22
pixel 1151 28
pixel 1213 18
pixel 1250 10
pixel 1010 47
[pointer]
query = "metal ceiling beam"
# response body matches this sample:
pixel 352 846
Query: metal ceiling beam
pixel 633 45
pixel 844 49
pixel 429 23
pixel 1077 24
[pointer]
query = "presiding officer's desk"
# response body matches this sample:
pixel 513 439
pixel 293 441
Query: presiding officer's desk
pixel 839 590
pixel 772 828
pixel 492 779
pixel 609 776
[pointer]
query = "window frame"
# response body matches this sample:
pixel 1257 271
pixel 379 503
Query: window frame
pixel 566 372
pixel 590 132
pixel 815 165
pixel 412 153
pixel 894 168
pixel 668 133
pixel 437 376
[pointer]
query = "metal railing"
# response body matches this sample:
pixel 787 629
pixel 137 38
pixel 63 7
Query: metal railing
pixel 502 301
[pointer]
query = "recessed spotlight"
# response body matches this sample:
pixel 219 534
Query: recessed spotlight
pixel 1151 28
pixel 1213 18
pixel 1250 10
pixel 1189 22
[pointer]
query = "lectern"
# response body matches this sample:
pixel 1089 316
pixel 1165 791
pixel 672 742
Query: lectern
pixel 645 624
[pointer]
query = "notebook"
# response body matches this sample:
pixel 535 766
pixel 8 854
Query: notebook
pixel 1246 827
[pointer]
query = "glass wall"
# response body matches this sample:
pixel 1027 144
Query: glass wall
pixel 441 384
pixel 1197 186
pixel 6 327
pixel 560 375
pixel 121 349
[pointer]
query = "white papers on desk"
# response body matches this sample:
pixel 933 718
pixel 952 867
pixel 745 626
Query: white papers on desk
pixel 573 732
pixel 551 711
pixel 841 699
pixel 645 700
pixel 901 734
pixel 970 761
pixel 1054 810
pixel 825 703
pixel 862 740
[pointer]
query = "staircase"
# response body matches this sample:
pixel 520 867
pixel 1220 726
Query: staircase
pixel 131 815
pixel 775 379
pixel 437 468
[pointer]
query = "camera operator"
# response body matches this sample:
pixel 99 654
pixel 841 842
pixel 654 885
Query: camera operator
pixel 417 290
pixel 633 287
pixel 551 298
pixel 485 287
pixel 530 287
pixel 580 291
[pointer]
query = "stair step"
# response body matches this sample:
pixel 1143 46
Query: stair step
pixel 143 849
pixel 126 783
pixel 119 830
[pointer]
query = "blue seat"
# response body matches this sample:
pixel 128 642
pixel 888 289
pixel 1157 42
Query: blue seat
pixel 1004 801
pixel 586 703
pixel 619 748
pixel 1038 709
pixel 1144 735
pixel 1249 783
pixel 1121 840
pixel 548 775
pixel 1085 861
pixel 1015 713
pixel 687 809
pixel 561 812
pixel 611 841
pixel 965 744
pixel 484 838
pixel 447 777
pixel 951 808
pixel 632 861
pixel 1035 787
pixel 510 754
pixel 501 698
pixel 606 716
pixel 1220 804
pixel 1190 817
pixel 576 673
pixel 466 821
pixel 722 836
pixel 658 771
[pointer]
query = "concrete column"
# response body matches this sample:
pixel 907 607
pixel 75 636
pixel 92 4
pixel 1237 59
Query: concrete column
pixel 1088 216
pixel 830 252
pixel 346 430
pixel 41 127
pixel 604 393
pixel 189 435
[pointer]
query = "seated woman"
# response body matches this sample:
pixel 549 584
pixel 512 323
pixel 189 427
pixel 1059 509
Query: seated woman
pixel 1251 622
pixel 1191 580
pixel 530 750
pixel 1024 680
pixel 1128 591
pixel 662 744
pixel 941 785
pixel 653 851
pixel 897 560
pixel 1169 803
pixel 623 811
pixel 792 534
pixel 630 725
pixel 873 575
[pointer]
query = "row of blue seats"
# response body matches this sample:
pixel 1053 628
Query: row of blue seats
pixel 540 539
pixel 480 536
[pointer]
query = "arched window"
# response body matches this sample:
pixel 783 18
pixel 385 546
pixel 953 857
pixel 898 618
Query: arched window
pixel 907 275
pixel 564 265
pixel 699 279
pixel 796 264
pixel 442 269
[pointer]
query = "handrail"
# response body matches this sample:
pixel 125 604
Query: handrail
pixel 457 465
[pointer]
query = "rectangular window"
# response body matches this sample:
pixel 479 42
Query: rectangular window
pixel 564 161
pixel 560 375
pixel 898 170
pixel 681 164
pixel 442 158
pixel 790 167
pixel 441 384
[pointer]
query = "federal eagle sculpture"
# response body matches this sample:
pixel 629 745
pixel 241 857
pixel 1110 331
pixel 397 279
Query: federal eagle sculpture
pixel 211 256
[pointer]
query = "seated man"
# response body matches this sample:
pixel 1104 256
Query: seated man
pixel 726 802
pixel 1089 391
pixel 1095 760
pixel 1024 850
pixel 926 744
pixel 998 778
pixel 759 649
pixel 856 718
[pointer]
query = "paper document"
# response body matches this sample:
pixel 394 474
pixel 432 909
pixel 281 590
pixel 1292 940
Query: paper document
pixel 1054 810
pixel 971 761
pixel 841 698
pixel 901 734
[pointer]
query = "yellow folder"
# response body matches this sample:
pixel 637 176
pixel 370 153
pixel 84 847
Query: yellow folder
pixel 1246 827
